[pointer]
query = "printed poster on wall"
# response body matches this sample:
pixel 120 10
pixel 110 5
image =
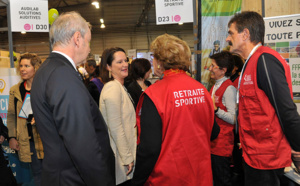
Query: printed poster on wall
pixel 8 78
pixel 21 171
pixel 215 17
pixel 283 35
pixel 29 15
pixel 173 11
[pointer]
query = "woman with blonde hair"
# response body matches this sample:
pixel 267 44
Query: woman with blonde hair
pixel 22 131
pixel 175 117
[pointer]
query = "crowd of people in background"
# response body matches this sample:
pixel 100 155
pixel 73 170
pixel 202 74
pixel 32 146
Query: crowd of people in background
pixel 108 125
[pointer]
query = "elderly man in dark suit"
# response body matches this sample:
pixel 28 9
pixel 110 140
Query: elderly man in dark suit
pixel 73 132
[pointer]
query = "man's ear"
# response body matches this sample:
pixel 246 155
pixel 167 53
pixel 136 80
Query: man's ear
pixel 246 34
pixel 76 38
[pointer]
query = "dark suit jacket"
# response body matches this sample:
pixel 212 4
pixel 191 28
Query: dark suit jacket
pixel 74 134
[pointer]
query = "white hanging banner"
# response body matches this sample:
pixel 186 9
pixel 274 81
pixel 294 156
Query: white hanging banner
pixel 29 15
pixel 173 11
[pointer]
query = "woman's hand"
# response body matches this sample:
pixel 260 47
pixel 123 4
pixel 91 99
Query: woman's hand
pixel 32 121
pixel 296 159
pixel 129 167
pixel 13 144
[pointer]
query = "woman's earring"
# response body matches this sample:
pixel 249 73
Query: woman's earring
pixel 158 66
pixel 109 74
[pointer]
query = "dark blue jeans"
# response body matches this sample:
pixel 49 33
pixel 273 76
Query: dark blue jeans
pixel 257 177
pixel 221 170
pixel 36 165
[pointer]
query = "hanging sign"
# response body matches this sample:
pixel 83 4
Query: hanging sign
pixel 283 35
pixel 173 11
pixel 29 16
pixel 132 53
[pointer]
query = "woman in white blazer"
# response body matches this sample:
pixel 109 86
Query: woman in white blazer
pixel 118 111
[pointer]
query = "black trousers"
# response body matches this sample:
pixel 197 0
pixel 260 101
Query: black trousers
pixel 6 176
pixel 221 170
pixel 257 177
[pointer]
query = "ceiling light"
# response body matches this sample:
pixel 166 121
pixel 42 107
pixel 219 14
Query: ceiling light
pixel 180 23
pixel 96 4
pixel 23 32
pixel 102 25
pixel 101 20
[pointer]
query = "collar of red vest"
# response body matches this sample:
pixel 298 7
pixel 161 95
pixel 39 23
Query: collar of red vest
pixel 172 72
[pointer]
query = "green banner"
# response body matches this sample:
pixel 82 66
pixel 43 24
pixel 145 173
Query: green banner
pixel 220 7
pixel 215 17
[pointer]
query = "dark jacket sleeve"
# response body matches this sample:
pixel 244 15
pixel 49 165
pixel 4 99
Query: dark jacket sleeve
pixel 93 90
pixel 3 129
pixel 135 92
pixel 215 130
pixel 286 107
pixel 151 138
pixel 74 115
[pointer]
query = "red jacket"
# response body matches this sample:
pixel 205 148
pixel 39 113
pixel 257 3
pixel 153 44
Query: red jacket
pixel 223 144
pixel 263 142
pixel 187 116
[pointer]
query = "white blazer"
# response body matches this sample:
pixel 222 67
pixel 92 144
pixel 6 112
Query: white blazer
pixel 119 115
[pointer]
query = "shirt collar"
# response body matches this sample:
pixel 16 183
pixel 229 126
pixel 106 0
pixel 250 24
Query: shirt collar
pixel 66 56
pixel 221 80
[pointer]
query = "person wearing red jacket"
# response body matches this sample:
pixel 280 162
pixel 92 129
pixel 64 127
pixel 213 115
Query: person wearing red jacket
pixel 223 94
pixel 175 119
pixel 267 117
pixel 238 66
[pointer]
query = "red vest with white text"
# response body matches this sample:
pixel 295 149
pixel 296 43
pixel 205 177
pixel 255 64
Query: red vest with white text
pixel 263 142
pixel 187 115
pixel 223 144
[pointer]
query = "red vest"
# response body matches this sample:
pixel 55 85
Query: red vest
pixel 263 142
pixel 187 115
pixel 236 82
pixel 223 144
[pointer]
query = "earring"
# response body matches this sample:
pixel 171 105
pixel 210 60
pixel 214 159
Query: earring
pixel 158 66
pixel 109 74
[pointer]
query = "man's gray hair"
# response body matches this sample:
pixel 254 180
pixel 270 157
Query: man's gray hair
pixel 65 26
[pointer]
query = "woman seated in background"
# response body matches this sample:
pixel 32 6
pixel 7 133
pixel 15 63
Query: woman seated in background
pixel 223 94
pixel 140 71
pixel 95 84
pixel 118 111
pixel 22 131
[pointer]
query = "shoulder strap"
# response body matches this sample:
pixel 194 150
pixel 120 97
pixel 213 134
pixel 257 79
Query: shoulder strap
pixel 15 103
pixel 272 93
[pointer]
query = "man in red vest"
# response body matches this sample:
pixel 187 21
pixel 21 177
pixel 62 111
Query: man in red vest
pixel 269 125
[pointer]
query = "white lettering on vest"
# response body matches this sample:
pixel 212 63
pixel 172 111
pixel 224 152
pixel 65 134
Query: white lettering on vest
pixel 189 97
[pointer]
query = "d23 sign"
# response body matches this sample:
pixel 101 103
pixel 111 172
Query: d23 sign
pixel 175 18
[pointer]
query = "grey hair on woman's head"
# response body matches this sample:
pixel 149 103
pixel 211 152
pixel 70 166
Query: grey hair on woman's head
pixel 64 27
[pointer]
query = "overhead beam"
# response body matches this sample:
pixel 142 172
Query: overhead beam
pixel 65 3
pixel 146 9
pixel 3 29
